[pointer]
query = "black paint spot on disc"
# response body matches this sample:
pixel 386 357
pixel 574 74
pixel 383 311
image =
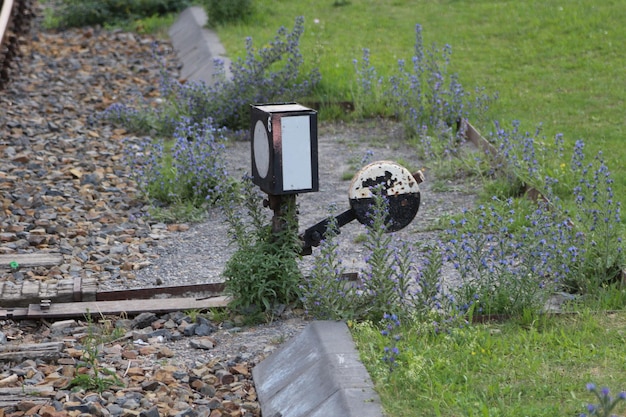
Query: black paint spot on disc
pixel 402 210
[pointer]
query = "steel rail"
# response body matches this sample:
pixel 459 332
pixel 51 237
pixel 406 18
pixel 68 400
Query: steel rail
pixel 14 21
pixel 5 51
pixel 5 18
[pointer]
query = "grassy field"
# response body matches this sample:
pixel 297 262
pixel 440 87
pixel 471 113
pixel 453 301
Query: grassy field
pixel 537 369
pixel 559 64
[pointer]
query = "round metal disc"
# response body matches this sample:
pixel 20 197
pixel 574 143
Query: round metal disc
pixel 261 149
pixel 398 186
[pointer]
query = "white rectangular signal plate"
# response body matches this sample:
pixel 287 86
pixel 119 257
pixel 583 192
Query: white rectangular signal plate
pixel 296 153
pixel 284 148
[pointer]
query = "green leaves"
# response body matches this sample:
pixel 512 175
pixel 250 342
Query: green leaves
pixel 263 272
pixel 98 378
pixel 388 284
pixel 221 12
pixel 77 13
pixel 325 292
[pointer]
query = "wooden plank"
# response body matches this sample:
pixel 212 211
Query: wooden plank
pixel 175 290
pixel 29 260
pixel 27 389
pixel 65 291
pixel 69 310
pixel 38 394
pixel 472 134
pixel 46 351
pixel 21 355
pixel 88 289
pixel 10 401
pixel 76 296
pixel 58 346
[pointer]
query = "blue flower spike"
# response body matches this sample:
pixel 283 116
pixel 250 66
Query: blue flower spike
pixel 606 403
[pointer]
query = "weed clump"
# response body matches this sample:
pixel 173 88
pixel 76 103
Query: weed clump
pixel 270 74
pixel 263 273
pixel 188 172
pixel 97 377
pixel 224 12
pixel 78 13
pixel 423 95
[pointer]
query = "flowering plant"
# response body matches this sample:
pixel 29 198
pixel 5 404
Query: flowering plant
pixel 606 403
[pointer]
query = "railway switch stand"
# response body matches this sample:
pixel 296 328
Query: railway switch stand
pixel 285 163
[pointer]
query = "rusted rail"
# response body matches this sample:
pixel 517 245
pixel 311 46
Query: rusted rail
pixel 15 16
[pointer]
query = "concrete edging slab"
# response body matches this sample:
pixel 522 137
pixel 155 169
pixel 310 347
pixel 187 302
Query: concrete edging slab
pixel 317 373
pixel 196 46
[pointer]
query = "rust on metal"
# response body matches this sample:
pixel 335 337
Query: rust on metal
pixel 45 304
pixel 469 132
pixel 133 301
pixel 279 204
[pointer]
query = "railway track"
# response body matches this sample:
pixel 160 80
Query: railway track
pixel 15 17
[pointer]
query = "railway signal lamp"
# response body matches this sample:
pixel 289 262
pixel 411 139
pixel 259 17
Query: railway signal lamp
pixel 284 164
pixel 284 148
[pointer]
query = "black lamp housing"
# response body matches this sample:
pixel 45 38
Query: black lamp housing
pixel 284 148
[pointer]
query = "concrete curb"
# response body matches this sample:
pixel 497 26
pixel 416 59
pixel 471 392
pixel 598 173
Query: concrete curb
pixel 316 374
pixel 197 47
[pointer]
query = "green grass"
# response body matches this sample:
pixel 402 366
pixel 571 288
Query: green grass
pixel 155 25
pixel 537 369
pixel 556 63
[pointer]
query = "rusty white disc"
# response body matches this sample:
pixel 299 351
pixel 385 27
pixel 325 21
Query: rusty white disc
pixel 397 184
